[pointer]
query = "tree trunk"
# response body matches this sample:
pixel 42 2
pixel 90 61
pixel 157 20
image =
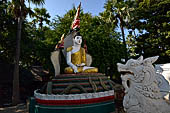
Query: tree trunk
pixel 123 36
pixel 16 91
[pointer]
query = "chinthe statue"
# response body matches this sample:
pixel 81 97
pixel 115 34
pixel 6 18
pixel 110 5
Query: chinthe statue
pixel 76 57
pixel 141 83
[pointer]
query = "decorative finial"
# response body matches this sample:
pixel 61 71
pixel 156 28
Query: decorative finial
pixel 60 43
pixel 76 22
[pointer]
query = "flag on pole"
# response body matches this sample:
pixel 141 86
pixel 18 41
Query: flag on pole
pixel 76 22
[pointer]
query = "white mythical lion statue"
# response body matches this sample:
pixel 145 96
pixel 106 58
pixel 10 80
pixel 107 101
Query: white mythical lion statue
pixel 142 94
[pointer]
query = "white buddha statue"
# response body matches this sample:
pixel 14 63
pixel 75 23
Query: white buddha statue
pixel 76 58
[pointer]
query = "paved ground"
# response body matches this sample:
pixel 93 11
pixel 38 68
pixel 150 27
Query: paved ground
pixel 23 108
pixel 20 108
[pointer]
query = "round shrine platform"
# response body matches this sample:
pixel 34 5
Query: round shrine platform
pixel 75 93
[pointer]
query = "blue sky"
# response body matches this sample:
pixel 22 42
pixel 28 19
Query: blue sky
pixel 60 7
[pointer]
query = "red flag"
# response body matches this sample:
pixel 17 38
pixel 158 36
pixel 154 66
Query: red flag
pixel 76 22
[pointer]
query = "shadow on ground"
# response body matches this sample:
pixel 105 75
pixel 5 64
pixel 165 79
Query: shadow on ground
pixel 20 108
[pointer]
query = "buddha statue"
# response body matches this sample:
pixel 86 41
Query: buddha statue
pixel 76 57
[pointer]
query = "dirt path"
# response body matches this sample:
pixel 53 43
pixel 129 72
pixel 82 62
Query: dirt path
pixel 20 108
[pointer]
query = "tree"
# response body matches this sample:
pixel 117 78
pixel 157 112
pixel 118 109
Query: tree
pixel 7 29
pixel 102 42
pixel 151 18
pixel 41 16
pixel 19 10
pixel 119 13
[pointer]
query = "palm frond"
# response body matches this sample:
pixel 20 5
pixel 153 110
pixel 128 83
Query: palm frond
pixel 37 2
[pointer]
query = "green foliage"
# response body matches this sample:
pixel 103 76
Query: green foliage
pixel 39 41
pixel 39 37
pixel 7 34
pixel 152 21
pixel 34 49
pixel 119 13
pixel 40 16
pixel 102 42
